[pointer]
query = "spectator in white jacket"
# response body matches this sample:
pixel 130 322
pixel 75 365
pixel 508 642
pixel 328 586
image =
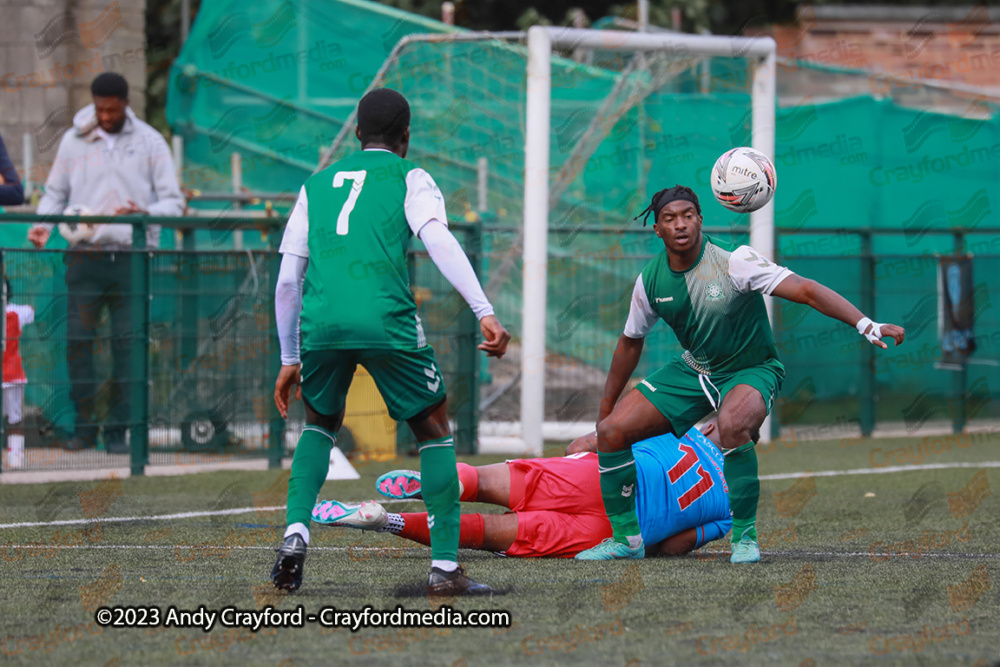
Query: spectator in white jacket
pixel 108 163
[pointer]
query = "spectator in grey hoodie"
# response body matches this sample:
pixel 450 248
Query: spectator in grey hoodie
pixel 108 163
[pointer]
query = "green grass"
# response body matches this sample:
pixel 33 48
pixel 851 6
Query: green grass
pixel 839 605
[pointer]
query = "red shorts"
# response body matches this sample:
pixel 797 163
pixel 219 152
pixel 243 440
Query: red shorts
pixel 559 507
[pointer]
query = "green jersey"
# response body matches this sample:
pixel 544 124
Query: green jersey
pixel 715 307
pixel 353 221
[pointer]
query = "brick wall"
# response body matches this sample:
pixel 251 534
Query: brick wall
pixel 50 51
pixel 948 44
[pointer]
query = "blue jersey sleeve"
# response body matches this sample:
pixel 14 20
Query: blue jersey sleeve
pixel 712 531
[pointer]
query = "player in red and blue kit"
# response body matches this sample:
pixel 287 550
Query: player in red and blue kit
pixel 681 501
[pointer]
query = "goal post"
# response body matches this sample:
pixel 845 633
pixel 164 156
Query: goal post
pixel 541 41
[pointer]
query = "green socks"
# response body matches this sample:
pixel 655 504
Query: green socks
pixel 619 488
pixel 740 469
pixel 310 464
pixel 439 487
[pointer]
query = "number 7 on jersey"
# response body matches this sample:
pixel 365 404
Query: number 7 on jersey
pixel 357 179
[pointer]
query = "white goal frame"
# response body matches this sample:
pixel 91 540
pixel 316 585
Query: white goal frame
pixel 541 40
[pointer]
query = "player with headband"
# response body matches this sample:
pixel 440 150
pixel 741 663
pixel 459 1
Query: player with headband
pixel 711 294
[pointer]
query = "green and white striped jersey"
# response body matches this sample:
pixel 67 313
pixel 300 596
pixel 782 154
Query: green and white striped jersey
pixel 715 307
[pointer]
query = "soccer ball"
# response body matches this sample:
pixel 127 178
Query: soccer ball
pixel 76 232
pixel 743 180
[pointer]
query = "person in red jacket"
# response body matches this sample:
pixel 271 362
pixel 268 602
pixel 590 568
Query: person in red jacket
pixel 17 317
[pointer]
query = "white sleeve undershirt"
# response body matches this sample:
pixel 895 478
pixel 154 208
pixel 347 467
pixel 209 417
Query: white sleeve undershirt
pixel 641 317
pixel 426 216
pixel 451 260
pixel 288 305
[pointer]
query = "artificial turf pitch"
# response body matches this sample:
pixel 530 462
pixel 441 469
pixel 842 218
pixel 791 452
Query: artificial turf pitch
pixel 898 568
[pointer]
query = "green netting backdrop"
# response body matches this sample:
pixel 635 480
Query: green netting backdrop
pixel 276 81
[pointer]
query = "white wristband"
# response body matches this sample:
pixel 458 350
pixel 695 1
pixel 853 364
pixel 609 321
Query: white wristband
pixel 875 334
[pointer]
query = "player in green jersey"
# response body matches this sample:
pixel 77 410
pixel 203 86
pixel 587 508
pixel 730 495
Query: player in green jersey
pixel 344 288
pixel 709 293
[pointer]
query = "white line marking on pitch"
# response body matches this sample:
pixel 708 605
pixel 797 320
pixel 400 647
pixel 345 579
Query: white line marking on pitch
pixel 881 471
pixel 248 510
pixel 170 517
pixel 702 555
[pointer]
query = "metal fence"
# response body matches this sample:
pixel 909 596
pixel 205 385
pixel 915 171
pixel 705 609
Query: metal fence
pixel 834 378
pixel 185 355
pixel 181 351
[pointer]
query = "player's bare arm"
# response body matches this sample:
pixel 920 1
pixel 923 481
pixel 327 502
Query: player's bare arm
pixel 825 300
pixel 288 377
pixel 495 337
pixel 623 364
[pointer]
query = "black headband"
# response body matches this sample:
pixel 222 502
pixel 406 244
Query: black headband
pixel 664 197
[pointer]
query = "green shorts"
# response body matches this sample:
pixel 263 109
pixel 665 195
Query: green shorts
pixel 682 397
pixel 409 381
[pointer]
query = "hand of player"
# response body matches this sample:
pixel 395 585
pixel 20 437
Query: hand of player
pixel 38 236
pixel 888 331
pixel 495 335
pixel 288 377
pixel 131 208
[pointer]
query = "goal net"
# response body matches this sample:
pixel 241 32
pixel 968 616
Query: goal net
pixel 553 141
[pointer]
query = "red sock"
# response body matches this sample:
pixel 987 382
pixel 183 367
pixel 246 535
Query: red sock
pixel 470 536
pixel 469 476
pixel 415 528
pixel 473 528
